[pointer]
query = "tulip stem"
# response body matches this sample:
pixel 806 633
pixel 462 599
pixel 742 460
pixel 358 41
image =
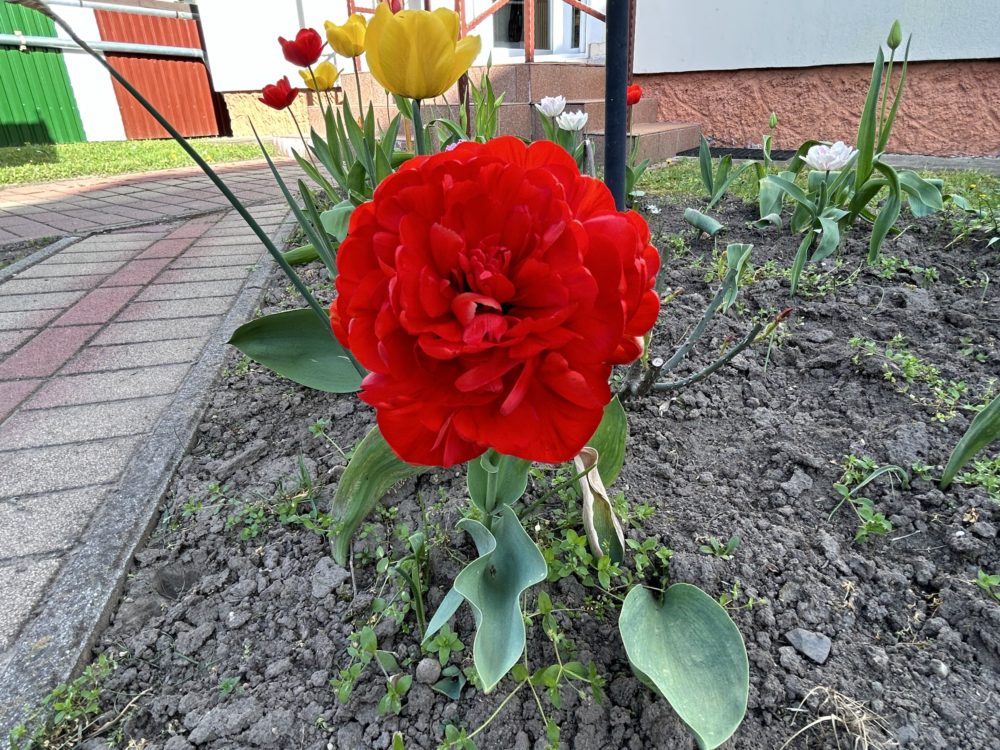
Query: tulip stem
pixel 301 136
pixel 418 128
pixel 357 83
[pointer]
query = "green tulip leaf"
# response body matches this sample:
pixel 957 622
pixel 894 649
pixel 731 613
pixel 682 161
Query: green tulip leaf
pixel 512 478
pixel 372 471
pixel 336 219
pixel 687 648
pixel 299 255
pixel 509 563
pixel 983 430
pixel 609 441
pixel 701 222
pixel 296 345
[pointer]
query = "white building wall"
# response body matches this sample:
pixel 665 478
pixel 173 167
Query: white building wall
pixel 91 83
pixel 678 35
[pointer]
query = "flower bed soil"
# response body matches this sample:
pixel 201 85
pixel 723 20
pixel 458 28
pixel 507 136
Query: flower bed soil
pixel 754 450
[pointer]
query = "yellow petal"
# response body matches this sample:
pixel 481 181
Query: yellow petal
pixel 449 19
pixel 465 53
pixel 383 17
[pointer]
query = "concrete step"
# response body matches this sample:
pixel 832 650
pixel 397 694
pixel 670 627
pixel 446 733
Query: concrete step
pixel 644 111
pixel 658 141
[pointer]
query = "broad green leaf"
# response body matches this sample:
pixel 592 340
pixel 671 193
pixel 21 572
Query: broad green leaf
pixel 923 196
pixel 829 239
pixel 302 254
pixel 689 650
pixel 887 216
pixel 703 223
pixel 985 428
pixel 768 220
pixel 493 584
pixel 794 192
pixel 737 256
pixel 296 345
pixel 604 531
pixel 512 478
pixel 372 471
pixel 865 141
pixel 800 260
pixel 609 440
pixel 705 163
pixel 336 219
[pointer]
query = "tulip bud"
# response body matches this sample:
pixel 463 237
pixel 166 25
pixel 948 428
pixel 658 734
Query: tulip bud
pixel 895 35
pixel 772 121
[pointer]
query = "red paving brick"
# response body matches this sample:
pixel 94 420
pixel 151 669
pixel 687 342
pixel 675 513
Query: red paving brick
pixel 138 272
pixel 166 248
pixel 100 306
pixel 46 352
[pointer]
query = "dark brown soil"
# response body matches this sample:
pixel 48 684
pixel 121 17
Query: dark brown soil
pixel 754 451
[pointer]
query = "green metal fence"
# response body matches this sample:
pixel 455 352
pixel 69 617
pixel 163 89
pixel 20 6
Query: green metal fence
pixel 36 100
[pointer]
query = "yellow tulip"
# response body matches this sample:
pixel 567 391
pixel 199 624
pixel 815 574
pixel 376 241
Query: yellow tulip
pixel 417 53
pixel 347 40
pixel 322 77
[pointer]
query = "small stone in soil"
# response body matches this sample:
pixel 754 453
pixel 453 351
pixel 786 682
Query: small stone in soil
pixel 814 646
pixel 428 671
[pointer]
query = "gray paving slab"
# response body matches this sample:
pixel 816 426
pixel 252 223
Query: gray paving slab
pixel 180 308
pixel 13 321
pixel 63 467
pixel 10 340
pixel 22 583
pixel 137 331
pixel 191 290
pixel 182 275
pixel 58 284
pixel 97 387
pixel 43 524
pixel 46 269
pixel 128 356
pixel 75 424
pixel 217 261
pixel 43 301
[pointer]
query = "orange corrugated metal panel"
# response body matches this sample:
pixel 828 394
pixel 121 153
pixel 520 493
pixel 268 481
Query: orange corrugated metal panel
pixel 178 87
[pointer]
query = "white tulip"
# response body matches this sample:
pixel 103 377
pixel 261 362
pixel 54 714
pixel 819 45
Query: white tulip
pixel 551 106
pixel 827 158
pixel 572 120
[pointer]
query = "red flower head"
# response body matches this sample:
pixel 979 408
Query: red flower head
pixel 279 95
pixel 489 290
pixel 305 50
pixel 395 5
pixel 633 94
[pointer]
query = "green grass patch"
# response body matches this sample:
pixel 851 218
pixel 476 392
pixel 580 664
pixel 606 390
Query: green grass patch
pixel 46 162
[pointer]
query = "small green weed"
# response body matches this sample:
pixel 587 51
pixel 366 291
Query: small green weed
pixel 984 473
pixel 70 708
pixel 859 472
pixel 723 550
pixel 990 583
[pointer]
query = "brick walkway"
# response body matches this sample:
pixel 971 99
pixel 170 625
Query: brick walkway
pixel 84 206
pixel 98 344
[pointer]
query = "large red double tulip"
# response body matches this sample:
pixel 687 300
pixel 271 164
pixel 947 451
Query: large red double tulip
pixel 489 290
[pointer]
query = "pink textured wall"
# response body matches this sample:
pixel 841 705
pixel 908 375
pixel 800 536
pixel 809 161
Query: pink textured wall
pixel 948 108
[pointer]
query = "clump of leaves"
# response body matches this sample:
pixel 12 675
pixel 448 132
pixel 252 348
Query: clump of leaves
pixel 722 550
pixel 990 583
pixel 858 473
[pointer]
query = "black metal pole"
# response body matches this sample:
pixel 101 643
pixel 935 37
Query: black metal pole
pixel 616 111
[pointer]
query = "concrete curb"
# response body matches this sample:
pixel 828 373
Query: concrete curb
pixel 37 257
pixel 84 593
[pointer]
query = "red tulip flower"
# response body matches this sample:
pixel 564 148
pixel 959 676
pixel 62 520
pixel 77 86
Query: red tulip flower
pixel 395 5
pixel 305 50
pixel 279 95
pixel 489 290
pixel 633 94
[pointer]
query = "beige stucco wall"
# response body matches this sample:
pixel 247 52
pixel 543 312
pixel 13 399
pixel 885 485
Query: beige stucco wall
pixel 948 108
